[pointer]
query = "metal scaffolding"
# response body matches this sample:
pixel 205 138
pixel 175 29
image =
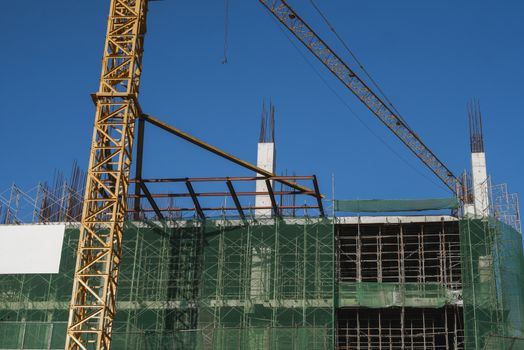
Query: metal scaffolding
pixel 420 282
pixel 194 285
pixel 492 265
pixel 57 201
pixel 402 252
pixel 399 329
pixel 399 285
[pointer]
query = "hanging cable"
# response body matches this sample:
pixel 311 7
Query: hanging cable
pixel 361 66
pixel 226 30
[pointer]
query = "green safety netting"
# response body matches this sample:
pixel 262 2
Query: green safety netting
pixel 395 205
pixel 219 286
pixel 269 286
pixel 384 295
pixel 492 267
pixel 194 285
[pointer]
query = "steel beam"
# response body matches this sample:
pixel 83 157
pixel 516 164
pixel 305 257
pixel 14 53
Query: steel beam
pixel 319 198
pixel 138 166
pixel 235 200
pixel 151 200
pixel 195 200
pixel 217 151
pixel 232 178
pixel 204 209
pixel 219 194
pixel 272 197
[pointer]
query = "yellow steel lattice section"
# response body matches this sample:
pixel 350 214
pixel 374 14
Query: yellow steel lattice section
pixel 93 300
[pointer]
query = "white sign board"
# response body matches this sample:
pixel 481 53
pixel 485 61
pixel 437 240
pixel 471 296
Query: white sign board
pixel 30 248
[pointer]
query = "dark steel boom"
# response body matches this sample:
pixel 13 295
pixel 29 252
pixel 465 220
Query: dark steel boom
pixel 303 32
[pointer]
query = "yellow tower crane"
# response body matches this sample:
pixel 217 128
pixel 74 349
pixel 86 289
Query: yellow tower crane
pixel 93 301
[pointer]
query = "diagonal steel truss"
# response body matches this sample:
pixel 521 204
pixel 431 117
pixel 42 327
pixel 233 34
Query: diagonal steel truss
pixel 305 34
pixel 93 300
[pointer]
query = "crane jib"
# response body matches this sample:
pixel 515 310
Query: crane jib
pixel 303 32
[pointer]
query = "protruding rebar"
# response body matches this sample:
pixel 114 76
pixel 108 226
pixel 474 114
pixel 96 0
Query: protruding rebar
pixel 476 136
pixel 267 124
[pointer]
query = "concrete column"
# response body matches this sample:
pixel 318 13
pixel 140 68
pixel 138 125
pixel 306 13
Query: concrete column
pixel 266 161
pixel 480 184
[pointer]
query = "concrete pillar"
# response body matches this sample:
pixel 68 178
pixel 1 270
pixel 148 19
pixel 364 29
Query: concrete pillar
pixel 266 161
pixel 480 184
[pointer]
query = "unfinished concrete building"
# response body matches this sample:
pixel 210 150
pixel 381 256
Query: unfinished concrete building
pixel 199 266
pixel 372 274
pixel 350 282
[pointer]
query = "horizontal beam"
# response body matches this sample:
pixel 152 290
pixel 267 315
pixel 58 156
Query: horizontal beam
pixel 228 208
pixel 220 194
pixel 234 178
pixel 219 152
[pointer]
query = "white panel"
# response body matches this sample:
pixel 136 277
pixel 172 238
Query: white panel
pixel 30 248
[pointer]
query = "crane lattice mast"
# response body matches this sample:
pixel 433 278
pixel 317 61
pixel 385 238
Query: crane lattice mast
pixel 93 302
pixel 303 32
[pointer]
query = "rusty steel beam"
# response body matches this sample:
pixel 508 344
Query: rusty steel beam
pixel 217 151
pixel 138 166
pixel 151 200
pixel 218 194
pixel 235 200
pixel 319 199
pixel 227 208
pixel 232 178
pixel 195 200
pixel 272 198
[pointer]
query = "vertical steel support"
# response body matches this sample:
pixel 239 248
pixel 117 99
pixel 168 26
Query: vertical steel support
pixel 93 302
pixel 194 197
pixel 236 200
pixel 319 196
pixel 138 167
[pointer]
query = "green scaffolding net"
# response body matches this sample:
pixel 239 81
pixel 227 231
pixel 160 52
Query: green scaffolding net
pixel 385 295
pixel 268 286
pixel 194 285
pixel 395 205
pixel 492 267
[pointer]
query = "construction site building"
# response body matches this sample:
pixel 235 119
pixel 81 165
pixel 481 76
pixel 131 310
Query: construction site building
pixel 434 280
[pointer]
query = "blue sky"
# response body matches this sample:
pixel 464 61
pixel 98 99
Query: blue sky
pixel 430 57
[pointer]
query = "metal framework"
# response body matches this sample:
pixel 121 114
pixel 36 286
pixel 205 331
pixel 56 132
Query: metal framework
pixel 400 283
pixel 407 328
pixel 240 207
pixel 400 252
pixel 305 34
pixel 93 301
pixel 213 149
